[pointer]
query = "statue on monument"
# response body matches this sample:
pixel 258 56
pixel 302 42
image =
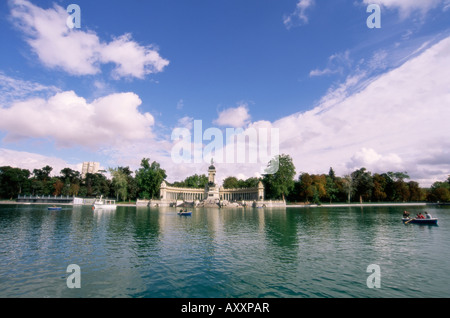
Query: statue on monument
pixel 211 174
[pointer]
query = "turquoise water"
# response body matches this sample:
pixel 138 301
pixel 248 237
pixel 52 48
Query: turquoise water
pixel 281 253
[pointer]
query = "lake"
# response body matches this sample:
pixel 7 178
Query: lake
pixel 229 253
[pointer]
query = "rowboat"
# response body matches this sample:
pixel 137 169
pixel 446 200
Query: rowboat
pixel 185 213
pixel 432 221
pixel 54 208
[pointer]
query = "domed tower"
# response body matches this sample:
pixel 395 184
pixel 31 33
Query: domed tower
pixel 213 189
pixel 211 174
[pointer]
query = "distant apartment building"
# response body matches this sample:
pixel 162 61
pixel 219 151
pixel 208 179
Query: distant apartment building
pixel 89 167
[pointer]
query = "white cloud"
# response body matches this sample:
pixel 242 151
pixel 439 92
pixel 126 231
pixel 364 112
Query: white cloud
pixel 396 121
pixel 337 63
pixel 81 52
pixel 298 17
pixel 70 120
pixel 31 161
pixel 185 122
pixel 378 60
pixel 400 118
pixel 376 162
pixel 318 72
pixel 13 89
pixel 131 58
pixel 237 117
pixel 406 7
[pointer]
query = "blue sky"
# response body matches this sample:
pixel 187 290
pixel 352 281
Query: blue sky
pixel 114 90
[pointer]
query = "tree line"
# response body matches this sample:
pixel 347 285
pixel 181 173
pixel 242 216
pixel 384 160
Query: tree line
pixel 359 186
pixel 122 185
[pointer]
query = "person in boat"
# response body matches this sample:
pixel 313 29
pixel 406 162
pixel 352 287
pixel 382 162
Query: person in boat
pixel 427 215
pixel 406 214
pixel 420 216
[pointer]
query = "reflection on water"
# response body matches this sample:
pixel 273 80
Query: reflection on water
pixel 149 252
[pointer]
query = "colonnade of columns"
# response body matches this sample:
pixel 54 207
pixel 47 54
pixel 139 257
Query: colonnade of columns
pixel 239 196
pixel 186 196
pixel 229 196
pixel 189 194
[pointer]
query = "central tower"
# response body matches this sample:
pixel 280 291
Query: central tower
pixel 213 189
pixel 211 174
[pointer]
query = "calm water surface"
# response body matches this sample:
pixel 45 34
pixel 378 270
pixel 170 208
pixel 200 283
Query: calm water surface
pixel 283 253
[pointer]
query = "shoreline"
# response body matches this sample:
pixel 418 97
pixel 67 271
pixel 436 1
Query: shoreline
pixel 6 202
pixel 337 205
pixel 329 205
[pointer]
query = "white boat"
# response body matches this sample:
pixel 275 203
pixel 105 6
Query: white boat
pixel 105 204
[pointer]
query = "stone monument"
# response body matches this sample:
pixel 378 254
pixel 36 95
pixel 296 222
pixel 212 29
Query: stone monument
pixel 213 197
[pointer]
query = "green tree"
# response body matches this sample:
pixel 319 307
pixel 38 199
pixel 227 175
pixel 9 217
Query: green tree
pixel 280 181
pixel 396 176
pixel 132 187
pixel 251 182
pixel 400 188
pixel 379 185
pixel 320 186
pixel 94 185
pixel 348 187
pixel 415 193
pixel 43 174
pixel 439 192
pixel 58 186
pixel 41 182
pixel 331 186
pixel 230 183
pixel 69 175
pixel 13 181
pixel 119 183
pixel 71 180
pixel 196 181
pixel 316 196
pixel 306 189
pixel 234 183
pixel 149 178
pixel 363 184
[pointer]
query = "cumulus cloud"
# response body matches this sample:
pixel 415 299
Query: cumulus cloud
pixel 70 120
pixel 391 121
pixel 236 117
pixel 31 161
pixel 81 52
pixel 375 161
pixel 394 121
